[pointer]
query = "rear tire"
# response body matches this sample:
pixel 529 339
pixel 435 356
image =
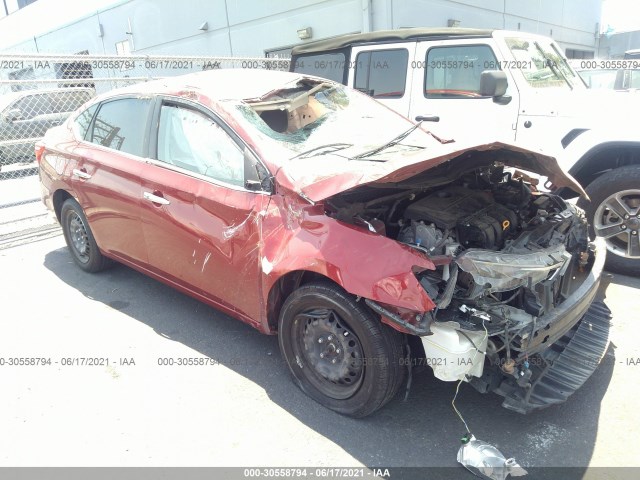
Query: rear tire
pixel 80 241
pixel 338 351
pixel 614 214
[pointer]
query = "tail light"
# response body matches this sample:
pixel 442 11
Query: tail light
pixel 39 151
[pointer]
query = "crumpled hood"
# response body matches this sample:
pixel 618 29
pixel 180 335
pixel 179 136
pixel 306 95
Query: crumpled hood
pixel 323 176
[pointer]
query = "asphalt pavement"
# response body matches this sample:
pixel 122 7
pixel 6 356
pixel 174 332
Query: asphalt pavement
pixel 123 405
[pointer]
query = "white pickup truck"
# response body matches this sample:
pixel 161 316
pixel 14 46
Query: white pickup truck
pixel 502 85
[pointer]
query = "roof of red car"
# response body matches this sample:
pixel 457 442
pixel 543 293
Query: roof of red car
pixel 223 84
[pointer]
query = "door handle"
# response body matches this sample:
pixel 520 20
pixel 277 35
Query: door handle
pixel 81 174
pixel 155 198
pixel 427 118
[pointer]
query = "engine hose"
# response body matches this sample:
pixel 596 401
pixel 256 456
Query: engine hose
pixel 445 299
pixel 420 330
pixel 442 241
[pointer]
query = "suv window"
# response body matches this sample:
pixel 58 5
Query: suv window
pixel 325 65
pixel 454 72
pixel 382 73
pixel 191 140
pixel 634 80
pixel 121 124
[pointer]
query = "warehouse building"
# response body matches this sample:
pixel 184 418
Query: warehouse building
pixel 263 27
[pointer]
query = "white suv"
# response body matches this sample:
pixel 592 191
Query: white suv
pixel 501 85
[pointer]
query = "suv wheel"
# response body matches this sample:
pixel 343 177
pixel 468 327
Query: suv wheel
pixel 615 213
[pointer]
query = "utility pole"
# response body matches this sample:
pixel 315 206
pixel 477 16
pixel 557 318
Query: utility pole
pixel 6 10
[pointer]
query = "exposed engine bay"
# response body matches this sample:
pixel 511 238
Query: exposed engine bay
pixel 506 255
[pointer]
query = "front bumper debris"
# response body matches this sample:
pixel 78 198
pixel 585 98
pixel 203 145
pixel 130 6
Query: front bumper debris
pixel 562 368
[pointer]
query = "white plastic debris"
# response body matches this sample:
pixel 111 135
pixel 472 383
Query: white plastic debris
pixel 486 461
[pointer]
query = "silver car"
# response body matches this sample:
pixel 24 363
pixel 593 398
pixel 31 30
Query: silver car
pixel 25 116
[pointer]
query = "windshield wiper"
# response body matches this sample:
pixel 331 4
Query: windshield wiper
pixel 564 61
pixel 329 147
pixel 551 64
pixel 390 143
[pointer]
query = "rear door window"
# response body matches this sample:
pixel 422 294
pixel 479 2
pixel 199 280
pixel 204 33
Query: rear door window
pixel 121 125
pixel 382 73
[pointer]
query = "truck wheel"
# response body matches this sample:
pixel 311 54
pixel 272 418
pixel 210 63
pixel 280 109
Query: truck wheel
pixel 79 238
pixel 614 212
pixel 338 351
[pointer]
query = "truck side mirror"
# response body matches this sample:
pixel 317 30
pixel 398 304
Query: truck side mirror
pixel 493 83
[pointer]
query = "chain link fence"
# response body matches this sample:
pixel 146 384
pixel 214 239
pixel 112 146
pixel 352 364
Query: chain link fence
pixel 38 92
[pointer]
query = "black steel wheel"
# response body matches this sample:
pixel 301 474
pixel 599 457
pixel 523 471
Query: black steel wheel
pixel 338 351
pixel 79 238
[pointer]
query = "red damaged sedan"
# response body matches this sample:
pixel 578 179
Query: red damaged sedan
pixel 311 211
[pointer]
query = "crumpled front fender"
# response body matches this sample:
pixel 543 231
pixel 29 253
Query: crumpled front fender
pixel 300 237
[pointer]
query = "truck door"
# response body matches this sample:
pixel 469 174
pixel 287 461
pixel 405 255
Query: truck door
pixel 446 83
pixel 384 72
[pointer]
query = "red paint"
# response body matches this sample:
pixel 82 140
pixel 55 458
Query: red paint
pixel 228 246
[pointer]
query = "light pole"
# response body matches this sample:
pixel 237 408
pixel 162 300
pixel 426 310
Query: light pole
pixel 6 10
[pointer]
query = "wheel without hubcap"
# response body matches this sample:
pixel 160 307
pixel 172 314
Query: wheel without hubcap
pixel 332 350
pixel 79 238
pixel 338 351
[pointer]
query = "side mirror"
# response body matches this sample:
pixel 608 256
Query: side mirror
pixel 493 83
pixel 13 115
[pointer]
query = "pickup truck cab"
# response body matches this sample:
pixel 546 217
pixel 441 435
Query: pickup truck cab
pixel 504 85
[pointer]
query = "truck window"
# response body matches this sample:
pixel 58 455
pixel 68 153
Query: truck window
pixel 454 72
pixel 326 65
pixel 382 73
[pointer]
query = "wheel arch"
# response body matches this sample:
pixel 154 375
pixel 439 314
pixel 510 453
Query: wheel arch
pixel 284 286
pixel 605 157
pixel 59 197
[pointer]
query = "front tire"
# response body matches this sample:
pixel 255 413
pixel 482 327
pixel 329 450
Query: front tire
pixel 338 351
pixel 80 241
pixel 614 214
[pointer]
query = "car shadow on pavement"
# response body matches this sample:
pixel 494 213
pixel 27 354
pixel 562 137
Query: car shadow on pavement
pixel 633 282
pixel 421 431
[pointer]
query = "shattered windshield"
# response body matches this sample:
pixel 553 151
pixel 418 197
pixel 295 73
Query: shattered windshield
pixel 543 64
pixel 314 118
